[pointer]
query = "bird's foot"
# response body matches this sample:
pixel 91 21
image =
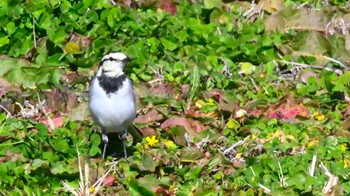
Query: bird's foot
pixel 124 136
pixel 105 141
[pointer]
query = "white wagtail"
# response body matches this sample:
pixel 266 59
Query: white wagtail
pixel 112 99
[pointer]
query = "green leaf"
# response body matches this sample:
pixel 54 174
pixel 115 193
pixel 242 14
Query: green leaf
pixel 4 40
pixel 65 6
pixel 194 82
pixel 298 180
pixel 55 77
pixel 2 118
pixel 210 4
pixel 147 164
pixel 45 21
pixel 55 59
pixel 181 35
pixel 153 43
pixel 42 130
pixel 3 169
pixel 58 168
pixel 149 181
pixel 94 150
pixel 168 44
pixel 39 163
pixel 57 36
pixel 28 77
pixel 136 189
pixel 61 145
pixel 95 139
pixel 191 154
pixel 69 166
pixel 10 28
pixel 47 156
pixel 247 68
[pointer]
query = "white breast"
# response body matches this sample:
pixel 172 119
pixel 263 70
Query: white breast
pixel 113 112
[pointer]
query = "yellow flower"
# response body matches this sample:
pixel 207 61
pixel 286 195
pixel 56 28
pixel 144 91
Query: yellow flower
pixel 169 143
pixel 318 116
pixel 311 143
pixel 343 148
pixel 92 189
pixel 211 100
pixel 253 136
pixel 200 103
pixel 151 141
pixel 238 155
pixel 346 163
pixel 231 124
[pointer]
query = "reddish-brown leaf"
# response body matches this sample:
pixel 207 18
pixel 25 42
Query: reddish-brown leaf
pixel 163 89
pixel 347 110
pixel 346 123
pixel 239 164
pixel 60 101
pixel 225 104
pixel 150 117
pixel 255 112
pixel 191 126
pixel 4 159
pixel 148 131
pixel 84 41
pixel 185 89
pixel 162 191
pixel 168 5
pixel 215 94
pixel 4 138
pixel 198 113
pixel 5 87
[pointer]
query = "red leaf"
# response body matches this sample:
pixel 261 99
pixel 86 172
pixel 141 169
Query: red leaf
pixel 58 121
pixel 83 40
pixel 289 110
pixel 109 180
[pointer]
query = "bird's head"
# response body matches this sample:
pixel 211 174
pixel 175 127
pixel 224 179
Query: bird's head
pixel 112 64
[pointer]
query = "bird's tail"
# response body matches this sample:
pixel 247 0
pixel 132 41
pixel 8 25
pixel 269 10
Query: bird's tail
pixel 135 132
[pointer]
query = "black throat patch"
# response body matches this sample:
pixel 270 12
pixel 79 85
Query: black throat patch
pixel 111 84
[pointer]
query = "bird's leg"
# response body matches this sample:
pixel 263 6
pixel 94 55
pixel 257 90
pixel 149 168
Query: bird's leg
pixel 105 141
pixel 125 134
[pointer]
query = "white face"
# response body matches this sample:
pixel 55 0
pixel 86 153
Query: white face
pixel 115 55
pixel 113 63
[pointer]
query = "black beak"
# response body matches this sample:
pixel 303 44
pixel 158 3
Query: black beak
pixel 127 60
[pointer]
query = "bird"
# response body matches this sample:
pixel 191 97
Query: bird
pixel 112 99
